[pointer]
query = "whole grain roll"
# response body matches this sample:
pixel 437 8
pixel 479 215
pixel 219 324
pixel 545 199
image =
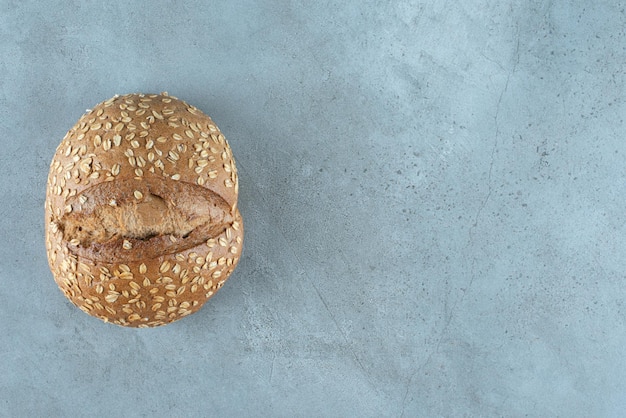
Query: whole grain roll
pixel 142 225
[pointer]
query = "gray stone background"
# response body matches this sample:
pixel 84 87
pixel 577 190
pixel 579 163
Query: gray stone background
pixel 433 195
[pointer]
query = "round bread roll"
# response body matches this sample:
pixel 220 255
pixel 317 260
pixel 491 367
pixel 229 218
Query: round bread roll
pixel 142 225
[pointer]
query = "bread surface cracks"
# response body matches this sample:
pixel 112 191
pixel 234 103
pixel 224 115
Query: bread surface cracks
pixel 145 219
pixel 109 213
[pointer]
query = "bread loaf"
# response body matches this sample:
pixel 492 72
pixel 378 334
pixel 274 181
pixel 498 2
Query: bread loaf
pixel 142 225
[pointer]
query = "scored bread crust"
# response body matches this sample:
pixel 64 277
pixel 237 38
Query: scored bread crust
pixel 139 139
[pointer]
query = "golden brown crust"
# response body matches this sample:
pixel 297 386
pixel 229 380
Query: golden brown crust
pixel 158 151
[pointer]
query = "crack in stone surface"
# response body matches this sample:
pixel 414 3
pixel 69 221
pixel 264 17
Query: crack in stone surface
pixel 474 224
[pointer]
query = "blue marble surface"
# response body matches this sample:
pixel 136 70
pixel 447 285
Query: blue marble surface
pixel 433 195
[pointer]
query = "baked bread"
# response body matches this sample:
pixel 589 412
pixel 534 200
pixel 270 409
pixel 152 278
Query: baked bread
pixel 142 225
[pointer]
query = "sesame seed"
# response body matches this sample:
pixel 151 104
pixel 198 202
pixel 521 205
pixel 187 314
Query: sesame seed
pixel 177 137
pixel 165 266
pixel 134 317
pixel 85 165
pixel 138 194
pixel 127 245
pixel 176 177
